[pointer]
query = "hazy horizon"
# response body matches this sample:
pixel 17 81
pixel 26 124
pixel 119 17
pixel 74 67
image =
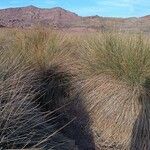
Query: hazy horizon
pixel 105 8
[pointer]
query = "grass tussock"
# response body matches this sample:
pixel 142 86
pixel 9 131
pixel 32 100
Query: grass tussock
pixel 22 123
pixel 28 74
pixel 122 56
pixel 117 70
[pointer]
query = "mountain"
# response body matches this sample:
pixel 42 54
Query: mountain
pixel 31 15
pixel 61 18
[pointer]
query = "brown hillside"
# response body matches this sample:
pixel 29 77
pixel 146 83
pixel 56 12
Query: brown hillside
pixel 61 18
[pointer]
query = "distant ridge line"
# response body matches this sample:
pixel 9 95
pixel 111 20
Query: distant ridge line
pixel 60 18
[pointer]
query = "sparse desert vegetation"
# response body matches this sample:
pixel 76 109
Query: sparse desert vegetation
pixel 63 90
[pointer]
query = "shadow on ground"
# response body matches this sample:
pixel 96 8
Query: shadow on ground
pixel 54 88
pixel 141 131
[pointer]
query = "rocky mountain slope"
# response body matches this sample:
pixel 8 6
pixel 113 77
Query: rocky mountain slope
pixel 60 18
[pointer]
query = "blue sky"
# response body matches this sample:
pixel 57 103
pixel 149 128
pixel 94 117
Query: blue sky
pixel 113 8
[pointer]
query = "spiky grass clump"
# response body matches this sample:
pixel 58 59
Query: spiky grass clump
pixel 121 56
pixel 22 123
pixel 113 108
pixel 46 47
pixel 117 68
